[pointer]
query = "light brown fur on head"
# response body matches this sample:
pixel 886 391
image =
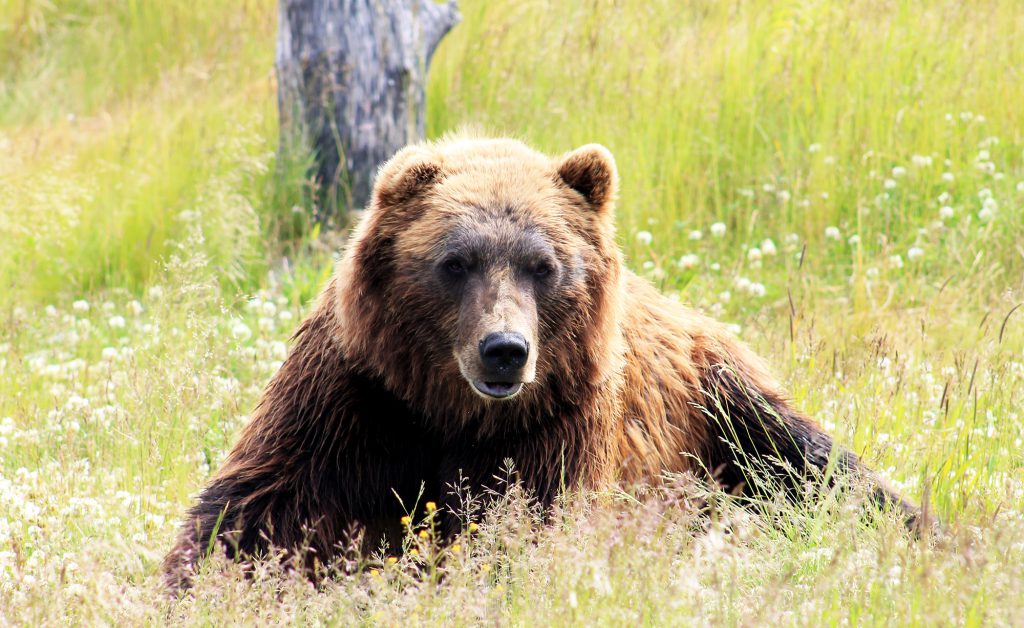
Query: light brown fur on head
pixel 509 211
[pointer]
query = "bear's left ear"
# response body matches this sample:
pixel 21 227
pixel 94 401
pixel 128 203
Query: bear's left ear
pixel 404 176
pixel 590 170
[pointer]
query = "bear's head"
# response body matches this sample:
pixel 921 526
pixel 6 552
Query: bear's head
pixel 484 278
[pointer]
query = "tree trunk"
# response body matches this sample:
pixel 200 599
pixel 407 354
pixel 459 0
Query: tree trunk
pixel 351 77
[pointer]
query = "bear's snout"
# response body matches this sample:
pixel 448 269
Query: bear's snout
pixel 504 353
pixel 504 356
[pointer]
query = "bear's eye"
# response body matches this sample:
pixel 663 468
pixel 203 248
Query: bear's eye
pixel 543 270
pixel 454 267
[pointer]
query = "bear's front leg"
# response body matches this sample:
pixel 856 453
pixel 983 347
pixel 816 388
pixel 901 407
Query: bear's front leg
pixel 759 443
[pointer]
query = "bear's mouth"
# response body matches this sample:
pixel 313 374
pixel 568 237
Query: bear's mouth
pixel 498 390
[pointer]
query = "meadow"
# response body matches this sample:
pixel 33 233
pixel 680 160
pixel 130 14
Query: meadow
pixel 841 182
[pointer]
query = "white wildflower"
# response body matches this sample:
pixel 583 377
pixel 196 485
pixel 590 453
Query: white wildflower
pixel 241 331
pixel 898 171
pixel 718 229
pixel 116 322
pixel 921 161
pixel 889 184
pixel 696 234
pixel 948 177
pixel 896 261
pixel 754 254
pixel 644 237
pixel 768 247
pixel 946 212
pixel 813 148
pixel 915 253
pixel 853 240
pixel 80 306
pixel 688 261
pixel 832 233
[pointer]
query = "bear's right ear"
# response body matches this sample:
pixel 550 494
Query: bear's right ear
pixel 404 176
pixel 590 170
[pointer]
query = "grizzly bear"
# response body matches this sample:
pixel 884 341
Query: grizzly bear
pixel 482 312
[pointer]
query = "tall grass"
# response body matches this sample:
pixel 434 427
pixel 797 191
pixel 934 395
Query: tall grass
pixel 125 122
pixel 843 182
pixel 773 117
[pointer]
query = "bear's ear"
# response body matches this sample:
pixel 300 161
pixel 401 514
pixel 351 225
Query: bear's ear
pixel 590 170
pixel 404 176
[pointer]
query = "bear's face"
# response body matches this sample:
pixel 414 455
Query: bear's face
pixel 495 275
pixel 489 258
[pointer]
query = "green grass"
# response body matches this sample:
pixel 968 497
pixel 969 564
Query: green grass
pixel 152 267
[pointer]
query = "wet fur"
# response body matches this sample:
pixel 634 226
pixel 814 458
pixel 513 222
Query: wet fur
pixel 629 384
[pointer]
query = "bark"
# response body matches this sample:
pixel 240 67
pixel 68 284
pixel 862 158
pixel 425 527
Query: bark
pixel 351 85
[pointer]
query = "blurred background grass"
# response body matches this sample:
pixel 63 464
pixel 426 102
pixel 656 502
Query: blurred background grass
pixel 843 181
pixel 119 116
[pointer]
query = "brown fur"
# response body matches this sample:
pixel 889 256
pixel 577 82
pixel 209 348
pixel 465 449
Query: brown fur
pixel 373 399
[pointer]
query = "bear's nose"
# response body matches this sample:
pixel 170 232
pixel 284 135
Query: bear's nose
pixel 504 351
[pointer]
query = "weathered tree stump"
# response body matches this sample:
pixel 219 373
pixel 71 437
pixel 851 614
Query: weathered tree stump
pixel 351 85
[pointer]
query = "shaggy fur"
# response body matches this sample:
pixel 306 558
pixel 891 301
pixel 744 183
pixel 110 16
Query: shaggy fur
pixel 374 401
